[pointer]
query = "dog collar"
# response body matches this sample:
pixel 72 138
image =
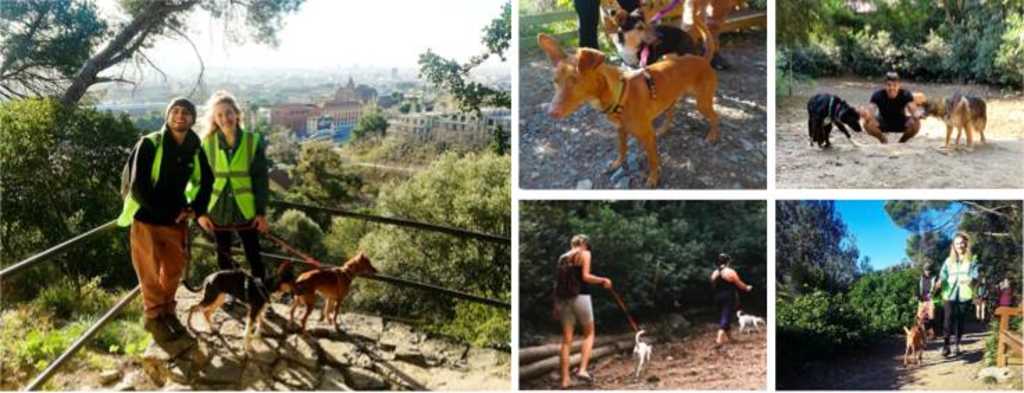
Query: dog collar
pixel 618 90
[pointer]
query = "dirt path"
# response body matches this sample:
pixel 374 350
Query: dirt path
pixel 915 164
pixel 693 363
pixel 574 152
pixel 881 368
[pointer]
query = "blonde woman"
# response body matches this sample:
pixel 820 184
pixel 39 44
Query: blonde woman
pixel 572 294
pixel 957 280
pixel 241 186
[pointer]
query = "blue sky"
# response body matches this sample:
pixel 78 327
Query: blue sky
pixel 877 236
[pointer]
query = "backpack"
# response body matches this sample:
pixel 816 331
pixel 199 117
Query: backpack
pixel 567 282
pixel 126 172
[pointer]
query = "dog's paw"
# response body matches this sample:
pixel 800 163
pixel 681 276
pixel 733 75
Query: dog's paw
pixel 613 166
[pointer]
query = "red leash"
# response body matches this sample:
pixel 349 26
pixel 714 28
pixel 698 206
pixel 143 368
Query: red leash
pixel 622 305
pixel 306 258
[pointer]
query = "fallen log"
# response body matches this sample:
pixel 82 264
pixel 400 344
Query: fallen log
pixel 541 367
pixel 532 354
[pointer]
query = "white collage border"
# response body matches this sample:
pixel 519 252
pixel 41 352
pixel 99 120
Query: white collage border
pixel 770 195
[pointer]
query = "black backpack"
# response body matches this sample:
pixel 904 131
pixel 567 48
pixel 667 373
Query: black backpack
pixel 567 281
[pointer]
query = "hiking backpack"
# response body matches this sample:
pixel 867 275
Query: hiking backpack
pixel 567 282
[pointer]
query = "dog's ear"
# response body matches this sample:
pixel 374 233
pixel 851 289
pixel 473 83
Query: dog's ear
pixel 551 48
pixel 589 59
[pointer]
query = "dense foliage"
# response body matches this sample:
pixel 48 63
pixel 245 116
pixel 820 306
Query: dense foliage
pixel 979 42
pixel 813 249
pixel 659 255
pixel 59 176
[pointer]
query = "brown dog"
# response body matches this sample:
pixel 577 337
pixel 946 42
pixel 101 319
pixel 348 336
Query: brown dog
pixel 960 112
pixel 627 99
pixel 333 284
pixel 915 343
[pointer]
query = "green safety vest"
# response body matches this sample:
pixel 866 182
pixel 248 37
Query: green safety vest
pixel 957 277
pixel 131 206
pixel 234 173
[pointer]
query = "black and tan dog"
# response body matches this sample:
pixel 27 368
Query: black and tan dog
pixel 244 288
pixel 960 111
pixel 826 110
pixel 627 99
pixel 634 37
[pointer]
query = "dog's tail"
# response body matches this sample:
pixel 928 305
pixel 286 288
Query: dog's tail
pixel 638 334
pixel 739 313
pixel 710 44
pixel 905 329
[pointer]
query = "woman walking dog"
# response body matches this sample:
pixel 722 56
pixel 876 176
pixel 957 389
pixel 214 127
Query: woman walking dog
pixel 957 280
pixel 572 304
pixel 726 283
pixel 241 184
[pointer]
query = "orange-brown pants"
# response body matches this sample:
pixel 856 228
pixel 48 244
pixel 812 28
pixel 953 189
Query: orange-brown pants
pixel 158 255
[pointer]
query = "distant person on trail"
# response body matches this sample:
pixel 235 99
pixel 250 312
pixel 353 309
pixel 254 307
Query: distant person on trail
pixel 980 303
pixel 157 206
pixel 241 185
pixel 956 280
pixel 1005 294
pixel 572 304
pixel 726 284
pixel 925 303
pixel 892 109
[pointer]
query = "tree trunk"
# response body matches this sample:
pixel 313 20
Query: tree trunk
pixel 122 47
pixel 532 354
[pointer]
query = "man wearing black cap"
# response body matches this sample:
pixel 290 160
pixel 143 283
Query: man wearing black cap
pixel 892 109
pixel 170 182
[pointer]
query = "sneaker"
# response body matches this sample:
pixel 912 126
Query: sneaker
pixel 157 328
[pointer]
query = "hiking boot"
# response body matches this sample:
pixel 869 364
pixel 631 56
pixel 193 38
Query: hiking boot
pixel 174 325
pixel 157 328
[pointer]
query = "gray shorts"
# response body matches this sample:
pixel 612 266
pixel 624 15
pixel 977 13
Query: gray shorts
pixel 576 309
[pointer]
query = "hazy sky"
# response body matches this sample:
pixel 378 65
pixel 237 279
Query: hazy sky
pixel 333 33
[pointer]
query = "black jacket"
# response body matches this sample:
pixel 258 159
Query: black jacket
pixel 160 204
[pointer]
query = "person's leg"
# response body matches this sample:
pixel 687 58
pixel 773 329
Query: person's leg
pixel 251 244
pixel 568 324
pixel 588 13
pixel 723 321
pixel 585 311
pixel 947 321
pixel 171 253
pixel 144 261
pixel 871 124
pixel 223 240
pixel 961 309
pixel 912 127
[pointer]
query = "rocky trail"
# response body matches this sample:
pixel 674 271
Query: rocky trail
pixel 573 153
pixel 370 353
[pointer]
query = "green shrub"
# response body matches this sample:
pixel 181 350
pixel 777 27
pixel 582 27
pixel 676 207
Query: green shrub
pixel 67 301
pixel 479 324
pixel 123 336
pixel 886 300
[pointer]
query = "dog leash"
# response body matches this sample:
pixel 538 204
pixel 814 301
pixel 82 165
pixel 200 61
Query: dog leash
pixel 306 258
pixel 622 305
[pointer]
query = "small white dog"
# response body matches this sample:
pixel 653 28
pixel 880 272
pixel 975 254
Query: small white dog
pixel 642 352
pixel 749 320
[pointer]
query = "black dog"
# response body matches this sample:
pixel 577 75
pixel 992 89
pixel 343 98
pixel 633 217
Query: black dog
pixel 824 110
pixel 634 36
pixel 245 288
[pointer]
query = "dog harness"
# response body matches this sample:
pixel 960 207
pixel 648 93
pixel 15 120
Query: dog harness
pixel 828 119
pixel 616 106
